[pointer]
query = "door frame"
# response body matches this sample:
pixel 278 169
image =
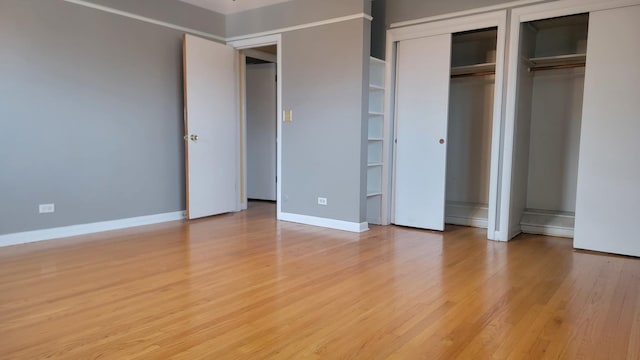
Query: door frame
pixel 491 19
pixel 519 16
pixel 244 44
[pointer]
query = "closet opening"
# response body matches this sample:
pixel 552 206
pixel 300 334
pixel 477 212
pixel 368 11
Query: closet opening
pixel 445 108
pixel 469 129
pixel 548 120
pixel 260 113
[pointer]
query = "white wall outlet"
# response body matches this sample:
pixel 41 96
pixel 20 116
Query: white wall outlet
pixel 322 201
pixel 46 208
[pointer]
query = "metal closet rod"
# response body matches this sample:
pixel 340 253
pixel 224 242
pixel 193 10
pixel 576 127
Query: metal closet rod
pixel 556 67
pixel 539 68
pixel 479 73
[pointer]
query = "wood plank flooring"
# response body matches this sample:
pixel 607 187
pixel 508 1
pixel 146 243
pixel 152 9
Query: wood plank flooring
pixel 244 286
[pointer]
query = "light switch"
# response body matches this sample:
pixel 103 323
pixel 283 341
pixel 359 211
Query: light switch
pixel 287 116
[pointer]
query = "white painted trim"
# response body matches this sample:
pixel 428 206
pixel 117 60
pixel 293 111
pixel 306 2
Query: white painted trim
pixel 83 229
pixel 146 19
pixel 217 37
pixel 547 223
pixel 275 39
pixel 452 15
pixel 479 21
pixel 302 26
pixel 548 230
pixel 467 23
pixel 518 16
pixel 324 222
pixel 500 236
pixel 466 214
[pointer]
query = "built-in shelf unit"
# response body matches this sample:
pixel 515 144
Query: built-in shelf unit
pixel 375 146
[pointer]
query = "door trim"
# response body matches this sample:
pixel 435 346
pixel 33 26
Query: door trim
pixel 248 44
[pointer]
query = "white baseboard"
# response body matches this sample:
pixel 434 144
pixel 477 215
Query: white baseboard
pixel 549 223
pixel 83 229
pixel 466 214
pixel 324 222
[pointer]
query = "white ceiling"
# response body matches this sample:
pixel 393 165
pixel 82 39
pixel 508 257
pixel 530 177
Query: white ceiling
pixel 231 6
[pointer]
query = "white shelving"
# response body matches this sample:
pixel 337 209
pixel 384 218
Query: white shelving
pixel 375 144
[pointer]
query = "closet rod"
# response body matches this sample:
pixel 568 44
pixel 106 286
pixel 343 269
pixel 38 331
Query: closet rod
pixel 556 67
pixel 480 73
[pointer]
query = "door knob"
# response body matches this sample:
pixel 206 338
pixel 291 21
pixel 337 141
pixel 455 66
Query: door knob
pixel 441 141
pixel 193 137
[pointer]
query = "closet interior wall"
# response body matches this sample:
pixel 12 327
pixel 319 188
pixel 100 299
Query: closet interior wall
pixel 548 119
pixel 469 127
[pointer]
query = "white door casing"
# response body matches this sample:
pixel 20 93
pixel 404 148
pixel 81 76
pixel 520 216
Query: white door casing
pixel 211 127
pixel 422 105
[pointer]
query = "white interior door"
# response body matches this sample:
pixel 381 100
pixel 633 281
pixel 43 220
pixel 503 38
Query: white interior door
pixel 608 192
pixel 422 105
pixel 261 131
pixel 211 127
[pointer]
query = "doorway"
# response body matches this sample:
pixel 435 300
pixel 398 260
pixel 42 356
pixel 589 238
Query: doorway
pixel 266 49
pixel 261 122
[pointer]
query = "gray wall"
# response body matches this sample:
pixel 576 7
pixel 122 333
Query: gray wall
pixel 173 12
pixel 323 149
pixel 90 116
pixel 292 13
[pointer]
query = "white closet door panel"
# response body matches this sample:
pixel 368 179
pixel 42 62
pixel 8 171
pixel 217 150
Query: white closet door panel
pixel 422 90
pixel 210 88
pixel 608 196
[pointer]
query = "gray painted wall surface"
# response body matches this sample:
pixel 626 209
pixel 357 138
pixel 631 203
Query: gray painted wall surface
pixel 90 116
pixel 322 150
pixel 173 12
pixel 292 13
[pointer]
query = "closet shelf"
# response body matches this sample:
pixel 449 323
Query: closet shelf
pixel 474 70
pixel 375 139
pixel 557 62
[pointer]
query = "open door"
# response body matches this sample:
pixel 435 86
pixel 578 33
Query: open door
pixel 211 127
pixel 422 107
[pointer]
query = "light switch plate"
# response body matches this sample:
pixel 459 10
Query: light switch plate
pixel 287 116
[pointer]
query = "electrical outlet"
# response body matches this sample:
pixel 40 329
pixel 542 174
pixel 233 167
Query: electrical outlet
pixel 322 201
pixel 46 208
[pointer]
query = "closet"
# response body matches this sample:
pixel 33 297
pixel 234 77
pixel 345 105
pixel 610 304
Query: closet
pixel 572 123
pixel 548 121
pixel 473 57
pixel 445 115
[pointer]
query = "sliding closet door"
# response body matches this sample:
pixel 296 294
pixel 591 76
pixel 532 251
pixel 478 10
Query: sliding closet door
pixel 608 193
pixel 422 104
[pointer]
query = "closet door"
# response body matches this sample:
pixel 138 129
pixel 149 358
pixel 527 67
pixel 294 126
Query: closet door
pixel 422 104
pixel 608 193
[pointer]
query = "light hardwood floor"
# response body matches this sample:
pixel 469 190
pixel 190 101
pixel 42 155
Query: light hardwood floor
pixel 243 286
